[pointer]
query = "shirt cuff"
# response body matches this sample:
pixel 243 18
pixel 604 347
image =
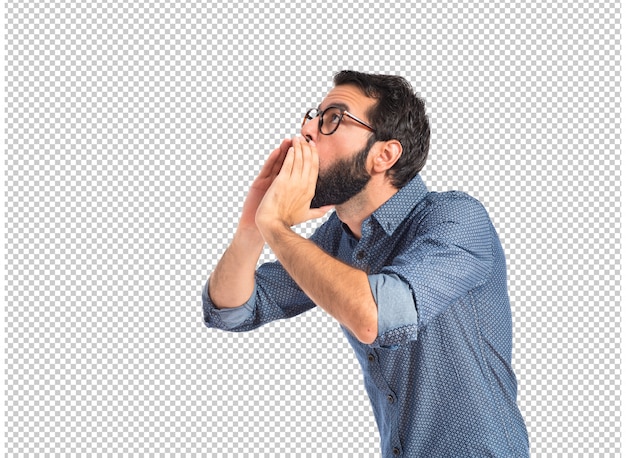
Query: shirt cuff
pixel 397 314
pixel 228 318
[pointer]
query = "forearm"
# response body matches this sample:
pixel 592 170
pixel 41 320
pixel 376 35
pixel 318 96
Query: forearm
pixel 232 282
pixel 341 290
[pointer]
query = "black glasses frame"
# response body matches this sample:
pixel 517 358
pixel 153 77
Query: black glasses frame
pixel 309 116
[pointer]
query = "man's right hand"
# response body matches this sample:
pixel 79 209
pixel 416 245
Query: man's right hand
pixel 261 184
pixel 232 281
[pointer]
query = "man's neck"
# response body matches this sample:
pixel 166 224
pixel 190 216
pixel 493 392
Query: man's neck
pixel 360 207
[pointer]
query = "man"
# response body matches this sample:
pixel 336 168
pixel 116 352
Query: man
pixel 416 279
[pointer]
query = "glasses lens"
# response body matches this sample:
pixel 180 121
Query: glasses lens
pixel 330 120
pixel 312 113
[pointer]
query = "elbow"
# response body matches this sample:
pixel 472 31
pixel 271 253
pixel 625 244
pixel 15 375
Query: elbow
pixel 367 336
pixel 367 329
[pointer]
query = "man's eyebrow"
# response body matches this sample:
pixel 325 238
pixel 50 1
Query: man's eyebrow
pixel 341 106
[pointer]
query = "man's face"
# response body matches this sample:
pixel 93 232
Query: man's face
pixel 342 155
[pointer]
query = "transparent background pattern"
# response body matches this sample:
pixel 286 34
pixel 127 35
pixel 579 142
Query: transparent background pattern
pixel 133 132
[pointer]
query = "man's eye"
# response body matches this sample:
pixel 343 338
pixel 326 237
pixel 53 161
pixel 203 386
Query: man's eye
pixel 334 117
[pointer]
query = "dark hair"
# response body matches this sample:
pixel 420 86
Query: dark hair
pixel 398 114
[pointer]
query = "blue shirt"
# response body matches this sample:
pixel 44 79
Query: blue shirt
pixel 439 374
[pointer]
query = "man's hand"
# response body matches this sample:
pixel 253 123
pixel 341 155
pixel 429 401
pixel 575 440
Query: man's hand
pixel 261 184
pixel 232 280
pixel 287 202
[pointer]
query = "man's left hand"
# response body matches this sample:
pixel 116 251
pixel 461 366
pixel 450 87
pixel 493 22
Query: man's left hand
pixel 288 200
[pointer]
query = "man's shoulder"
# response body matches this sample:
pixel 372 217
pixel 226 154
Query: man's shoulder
pixel 452 199
pixel 450 205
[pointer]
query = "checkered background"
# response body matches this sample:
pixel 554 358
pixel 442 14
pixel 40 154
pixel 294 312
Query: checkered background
pixel 133 132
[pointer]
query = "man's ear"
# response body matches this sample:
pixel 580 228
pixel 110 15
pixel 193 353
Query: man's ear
pixel 386 156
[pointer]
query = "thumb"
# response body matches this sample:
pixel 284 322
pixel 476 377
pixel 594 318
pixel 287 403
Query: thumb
pixel 315 213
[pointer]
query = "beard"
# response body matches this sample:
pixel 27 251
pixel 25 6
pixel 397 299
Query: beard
pixel 343 180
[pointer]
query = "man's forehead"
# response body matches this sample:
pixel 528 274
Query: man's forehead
pixel 347 97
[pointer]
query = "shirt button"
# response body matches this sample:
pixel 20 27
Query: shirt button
pixel 390 399
pixel 360 255
pixel 396 451
pixel 370 357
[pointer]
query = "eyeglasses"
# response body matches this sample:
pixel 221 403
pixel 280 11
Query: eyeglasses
pixel 330 118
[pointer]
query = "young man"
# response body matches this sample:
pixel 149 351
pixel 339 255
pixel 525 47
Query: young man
pixel 416 279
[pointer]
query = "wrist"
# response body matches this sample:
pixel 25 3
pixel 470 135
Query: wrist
pixel 272 230
pixel 249 239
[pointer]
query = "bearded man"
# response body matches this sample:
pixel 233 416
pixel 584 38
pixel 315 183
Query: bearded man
pixel 416 279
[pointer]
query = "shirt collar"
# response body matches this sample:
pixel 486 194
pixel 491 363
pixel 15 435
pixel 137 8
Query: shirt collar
pixel 390 214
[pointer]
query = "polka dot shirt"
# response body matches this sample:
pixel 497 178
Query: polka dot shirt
pixel 439 374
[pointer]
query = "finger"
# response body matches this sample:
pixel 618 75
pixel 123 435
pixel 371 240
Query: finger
pixel 272 164
pixel 298 158
pixel 309 156
pixel 315 213
pixel 315 162
pixel 306 161
pixel 282 153
pixel 285 145
pixel 269 164
pixel 310 168
pixel 275 160
pixel 287 166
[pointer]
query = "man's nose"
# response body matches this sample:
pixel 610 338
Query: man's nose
pixel 310 130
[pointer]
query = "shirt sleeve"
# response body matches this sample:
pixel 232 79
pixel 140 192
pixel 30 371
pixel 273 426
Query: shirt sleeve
pixel 446 255
pixel 276 295
pixel 397 314
pixel 229 318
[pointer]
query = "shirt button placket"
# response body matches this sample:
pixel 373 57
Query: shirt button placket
pixel 391 399
pixel 393 412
